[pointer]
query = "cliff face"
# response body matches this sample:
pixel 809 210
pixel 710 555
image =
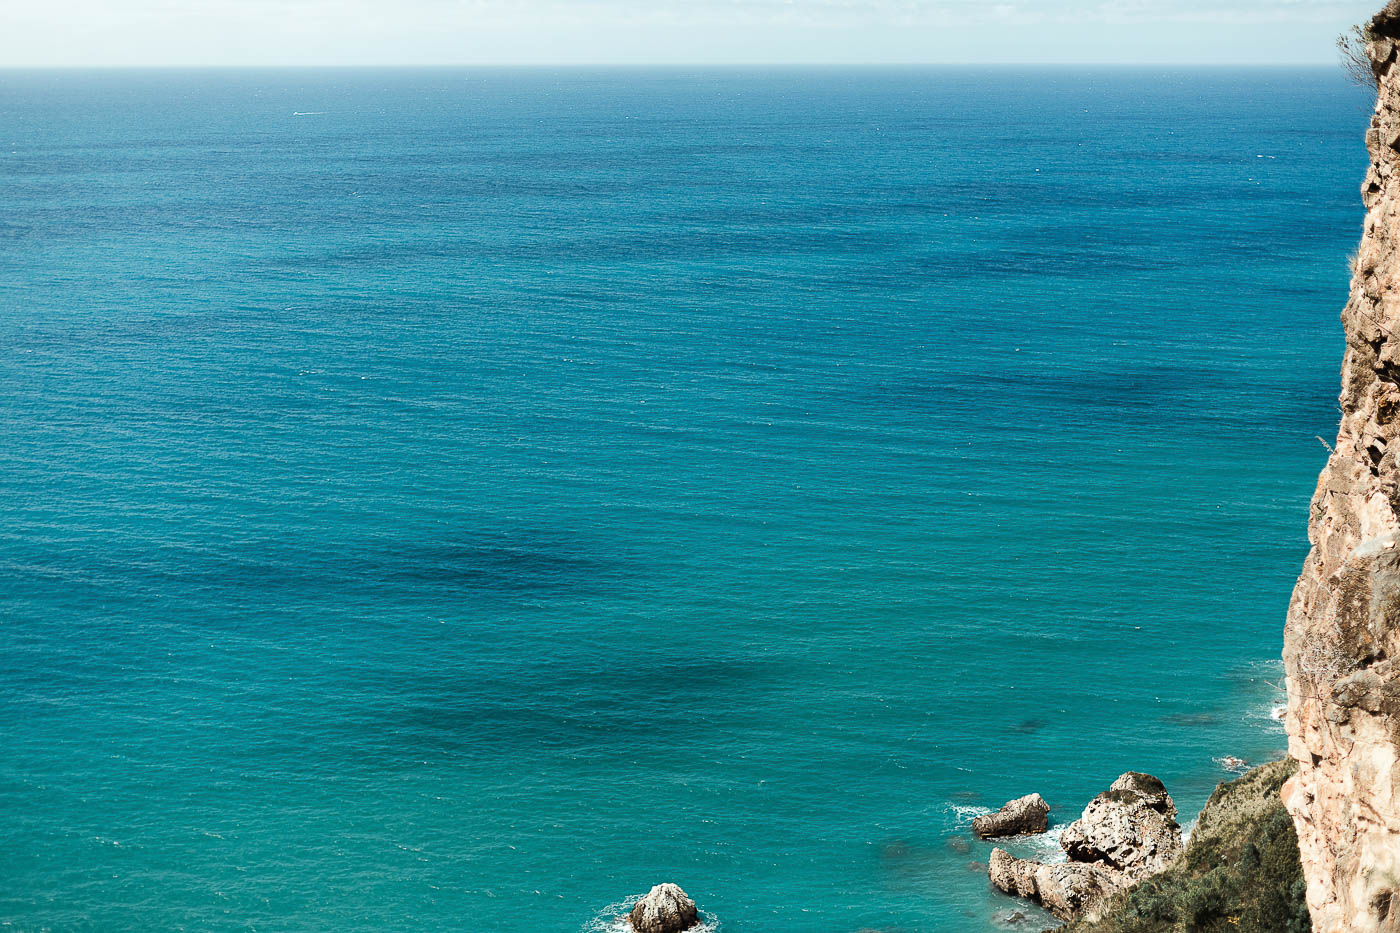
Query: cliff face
pixel 1342 640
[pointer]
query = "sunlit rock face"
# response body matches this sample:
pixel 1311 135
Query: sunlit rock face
pixel 1125 835
pixel 665 909
pixel 1342 642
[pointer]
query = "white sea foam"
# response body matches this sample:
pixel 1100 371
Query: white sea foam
pixel 1269 709
pixel 1268 716
pixel 965 814
pixel 1047 845
pixel 1232 764
pixel 1044 847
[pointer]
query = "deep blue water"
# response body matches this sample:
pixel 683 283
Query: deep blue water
pixel 458 500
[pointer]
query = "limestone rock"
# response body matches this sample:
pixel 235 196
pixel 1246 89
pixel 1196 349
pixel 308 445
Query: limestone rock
pixel 1342 638
pixel 1028 814
pixel 1150 789
pixel 1067 889
pixel 1126 834
pixel 665 909
pixel 1130 828
pixel 1011 874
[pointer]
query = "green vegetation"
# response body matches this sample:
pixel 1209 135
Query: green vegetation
pixel 1240 872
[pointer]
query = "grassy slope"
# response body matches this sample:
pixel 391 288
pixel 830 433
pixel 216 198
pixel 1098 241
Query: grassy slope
pixel 1240 872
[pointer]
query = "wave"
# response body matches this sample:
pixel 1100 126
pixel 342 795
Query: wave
pixel 1047 845
pixel 1232 764
pixel 964 814
pixel 1043 847
pixel 1267 715
pixel 1268 707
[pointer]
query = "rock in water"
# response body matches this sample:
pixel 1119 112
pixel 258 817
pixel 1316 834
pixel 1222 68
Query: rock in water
pixel 1068 890
pixel 1232 764
pixel 1028 814
pixel 1126 834
pixel 665 909
pixel 1013 875
pixel 1130 828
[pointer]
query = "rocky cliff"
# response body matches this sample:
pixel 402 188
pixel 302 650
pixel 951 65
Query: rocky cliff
pixel 1342 641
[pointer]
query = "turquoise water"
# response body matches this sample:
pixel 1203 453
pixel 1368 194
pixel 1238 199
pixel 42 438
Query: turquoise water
pixel 459 500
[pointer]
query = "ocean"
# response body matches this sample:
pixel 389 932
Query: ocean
pixel 462 499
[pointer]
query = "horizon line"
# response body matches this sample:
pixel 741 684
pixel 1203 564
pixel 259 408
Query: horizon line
pixel 407 66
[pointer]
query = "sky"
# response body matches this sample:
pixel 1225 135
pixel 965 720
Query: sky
pixel 673 32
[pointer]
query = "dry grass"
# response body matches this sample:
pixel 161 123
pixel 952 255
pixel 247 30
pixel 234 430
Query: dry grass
pixel 1351 45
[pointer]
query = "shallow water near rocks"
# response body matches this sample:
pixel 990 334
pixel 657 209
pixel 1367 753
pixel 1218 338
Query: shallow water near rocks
pixel 457 499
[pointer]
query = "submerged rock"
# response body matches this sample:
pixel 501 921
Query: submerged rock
pixel 665 909
pixel 1232 764
pixel 1009 918
pixel 1028 814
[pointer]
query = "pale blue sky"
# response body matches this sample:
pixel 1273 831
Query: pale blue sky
pixel 420 32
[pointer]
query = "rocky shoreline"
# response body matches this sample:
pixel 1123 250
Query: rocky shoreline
pixel 1127 867
pixel 1125 834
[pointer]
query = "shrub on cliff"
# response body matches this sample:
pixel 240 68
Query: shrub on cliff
pixel 1351 46
pixel 1240 871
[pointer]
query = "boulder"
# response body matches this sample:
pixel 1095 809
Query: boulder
pixel 1028 814
pixel 665 909
pixel 1126 834
pixel 1130 828
pixel 1011 874
pixel 1068 890
pixel 1152 791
